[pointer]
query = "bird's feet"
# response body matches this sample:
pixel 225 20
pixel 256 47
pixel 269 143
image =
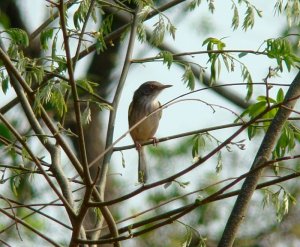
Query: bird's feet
pixel 155 141
pixel 138 146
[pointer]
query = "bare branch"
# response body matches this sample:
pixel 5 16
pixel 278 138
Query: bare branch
pixel 262 156
pixel 29 227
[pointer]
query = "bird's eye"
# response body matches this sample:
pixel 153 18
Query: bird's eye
pixel 151 86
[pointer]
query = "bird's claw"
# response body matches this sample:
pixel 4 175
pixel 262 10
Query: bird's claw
pixel 138 146
pixel 155 141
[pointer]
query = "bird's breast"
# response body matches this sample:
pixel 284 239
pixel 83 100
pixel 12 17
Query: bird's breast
pixel 148 127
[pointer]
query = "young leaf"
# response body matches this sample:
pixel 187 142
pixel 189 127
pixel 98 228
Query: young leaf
pixel 86 116
pixel 188 77
pixel 193 4
pixel 219 163
pixel 172 29
pixel 235 19
pixel 18 36
pixel 141 33
pixel 45 36
pixel 158 33
pixel 4 82
pixel 249 18
pixel 86 84
pixel 104 106
pixel 167 58
pixel 280 96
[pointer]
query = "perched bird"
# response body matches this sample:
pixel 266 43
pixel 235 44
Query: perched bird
pixel 143 103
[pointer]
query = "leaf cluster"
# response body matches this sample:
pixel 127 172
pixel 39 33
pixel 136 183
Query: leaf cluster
pixel 291 8
pixel 281 50
pixel 160 28
pixel 290 134
pixel 214 58
pixel 80 14
pixel 249 18
pixel 105 28
pixel 281 200
pixel 257 108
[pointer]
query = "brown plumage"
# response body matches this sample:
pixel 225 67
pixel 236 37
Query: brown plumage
pixel 143 103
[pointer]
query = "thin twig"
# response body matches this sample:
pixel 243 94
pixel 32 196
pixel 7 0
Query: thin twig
pixel 197 163
pixel 192 53
pixel 30 228
pixel 38 164
pixel 171 216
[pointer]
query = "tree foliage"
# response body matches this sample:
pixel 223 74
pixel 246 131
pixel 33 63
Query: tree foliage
pixel 47 141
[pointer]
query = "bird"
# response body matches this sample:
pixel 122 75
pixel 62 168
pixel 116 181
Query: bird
pixel 143 103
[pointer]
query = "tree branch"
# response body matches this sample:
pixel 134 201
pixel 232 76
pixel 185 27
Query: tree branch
pixel 196 164
pixel 30 228
pixel 175 214
pixel 263 154
pixel 66 203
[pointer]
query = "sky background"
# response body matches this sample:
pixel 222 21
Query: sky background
pixel 192 30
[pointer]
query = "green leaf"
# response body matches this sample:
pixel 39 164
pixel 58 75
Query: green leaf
pixel 5 133
pixel 45 93
pixel 198 144
pixel 88 85
pixel 281 50
pixel 280 96
pixel 25 155
pixel 106 25
pixel 172 29
pixel 158 33
pixel 142 15
pixel 225 60
pixel 219 163
pixel 86 116
pixel 104 106
pixel 215 68
pixel 45 36
pixel 141 33
pixel 53 48
pixel 188 77
pixel 18 36
pixel 242 54
pixel 81 13
pixel 100 42
pixel 251 131
pixel 34 73
pixel 249 18
pixel 193 4
pixel 248 79
pixel 235 19
pixel 61 62
pixel 57 99
pixel 211 6
pixel 4 82
pixel 15 183
pixel 167 58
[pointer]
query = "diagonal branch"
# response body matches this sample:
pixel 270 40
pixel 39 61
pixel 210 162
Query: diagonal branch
pixel 66 203
pixel 43 236
pixel 196 164
pixel 115 104
pixel 175 214
pixel 240 208
pixel 76 103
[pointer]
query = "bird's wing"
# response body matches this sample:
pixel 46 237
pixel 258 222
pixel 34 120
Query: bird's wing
pixel 129 111
pixel 160 112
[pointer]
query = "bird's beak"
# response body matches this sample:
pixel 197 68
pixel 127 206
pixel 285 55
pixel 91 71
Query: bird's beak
pixel 165 86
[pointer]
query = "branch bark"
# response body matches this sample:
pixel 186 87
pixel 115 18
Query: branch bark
pixel 242 203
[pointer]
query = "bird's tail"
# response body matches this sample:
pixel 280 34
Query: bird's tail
pixel 143 174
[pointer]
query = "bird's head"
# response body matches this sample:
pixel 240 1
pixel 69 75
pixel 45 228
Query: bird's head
pixel 150 89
